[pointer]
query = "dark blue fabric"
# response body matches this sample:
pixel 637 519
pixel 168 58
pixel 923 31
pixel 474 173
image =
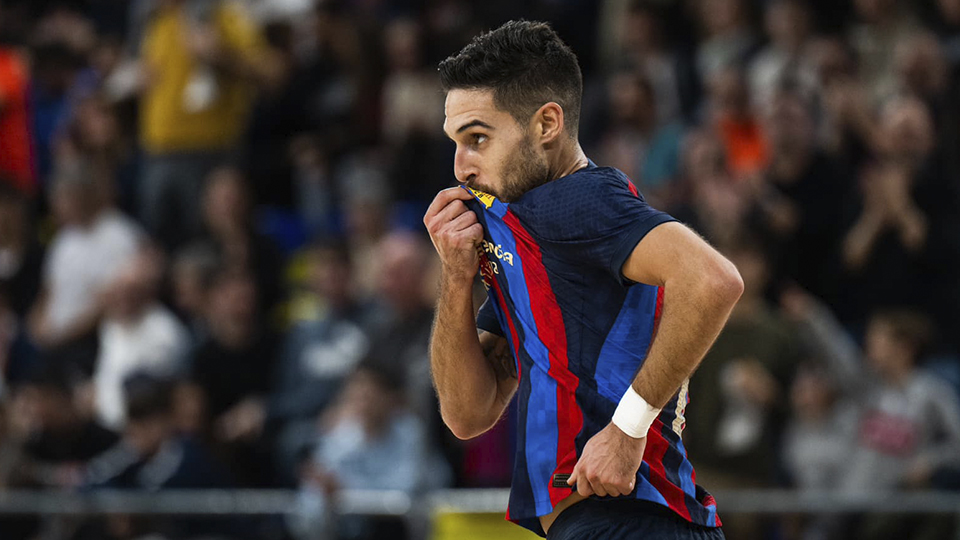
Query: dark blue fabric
pixel 589 219
pixel 625 519
pixel 487 319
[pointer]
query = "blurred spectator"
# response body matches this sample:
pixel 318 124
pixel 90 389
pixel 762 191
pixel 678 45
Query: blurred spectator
pixel 316 197
pixel 635 36
pixel 96 133
pixel 152 456
pixel 728 40
pixel 739 392
pixel 137 335
pixel 202 59
pixel 908 421
pixel 232 368
pixel 192 272
pixel 411 103
pixel 319 353
pixel 818 440
pixel 371 441
pixel 822 430
pixel 741 385
pixel 16 355
pixel 920 67
pixel 733 117
pixel 635 142
pixel 16 162
pixel 54 68
pixel 712 202
pixel 367 204
pixel 782 62
pixel 882 26
pixel 45 442
pixel 57 440
pixel 413 116
pixel 94 243
pixel 403 317
pixel 847 123
pixel 21 256
pixel 336 73
pixel 905 230
pixel 228 222
pixel 277 113
pixel 800 200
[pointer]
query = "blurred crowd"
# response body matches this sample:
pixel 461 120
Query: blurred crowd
pixel 213 272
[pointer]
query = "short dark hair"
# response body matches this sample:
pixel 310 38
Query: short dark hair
pixel 912 328
pixel 526 64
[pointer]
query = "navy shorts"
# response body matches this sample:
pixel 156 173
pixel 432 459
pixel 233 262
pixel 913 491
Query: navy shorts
pixel 626 519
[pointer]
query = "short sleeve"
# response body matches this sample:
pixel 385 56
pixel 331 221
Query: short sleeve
pixel 602 221
pixel 487 319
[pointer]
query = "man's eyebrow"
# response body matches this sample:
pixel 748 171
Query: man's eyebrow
pixel 474 123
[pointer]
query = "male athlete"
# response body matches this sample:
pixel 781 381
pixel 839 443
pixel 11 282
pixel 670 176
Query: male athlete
pixel 599 307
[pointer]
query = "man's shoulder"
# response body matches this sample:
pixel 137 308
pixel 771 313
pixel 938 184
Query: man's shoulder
pixel 573 206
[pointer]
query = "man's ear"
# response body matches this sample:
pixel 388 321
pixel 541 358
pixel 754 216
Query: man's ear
pixel 548 123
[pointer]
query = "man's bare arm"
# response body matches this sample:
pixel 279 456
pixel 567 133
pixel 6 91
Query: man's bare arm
pixel 469 369
pixel 472 386
pixel 700 289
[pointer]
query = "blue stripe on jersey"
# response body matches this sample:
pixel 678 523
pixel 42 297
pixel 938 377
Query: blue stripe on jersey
pixel 673 458
pixel 616 366
pixel 686 472
pixel 645 489
pixel 541 426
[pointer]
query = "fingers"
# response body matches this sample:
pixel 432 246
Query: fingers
pixel 443 199
pixel 584 488
pixel 474 232
pixel 457 215
pixel 573 475
pixel 599 483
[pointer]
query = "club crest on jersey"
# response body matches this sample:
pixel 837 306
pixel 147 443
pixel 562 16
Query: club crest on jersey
pixel 485 198
pixel 487 271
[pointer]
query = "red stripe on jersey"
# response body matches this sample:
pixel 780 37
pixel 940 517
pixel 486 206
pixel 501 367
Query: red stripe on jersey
pixel 513 328
pixel 710 501
pixel 551 331
pixel 653 454
pixel 633 188
pixel 658 311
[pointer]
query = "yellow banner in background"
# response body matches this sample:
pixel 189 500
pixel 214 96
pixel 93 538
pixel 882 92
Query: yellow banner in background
pixel 454 526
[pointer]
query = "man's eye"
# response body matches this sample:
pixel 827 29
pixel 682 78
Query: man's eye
pixel 479 138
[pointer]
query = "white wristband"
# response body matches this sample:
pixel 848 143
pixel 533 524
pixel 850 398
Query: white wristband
pixel 634 415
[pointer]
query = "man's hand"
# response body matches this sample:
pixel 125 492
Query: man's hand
pixel 609 463
pixel 455 233
pixel 244 421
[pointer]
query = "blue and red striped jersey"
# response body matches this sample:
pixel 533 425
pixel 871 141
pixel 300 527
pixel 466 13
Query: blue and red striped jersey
pixel 579 331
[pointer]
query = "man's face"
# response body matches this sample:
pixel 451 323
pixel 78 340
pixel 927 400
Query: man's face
pixel 495 154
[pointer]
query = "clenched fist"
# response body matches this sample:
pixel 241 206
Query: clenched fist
pixel 455 233
pixel 608 464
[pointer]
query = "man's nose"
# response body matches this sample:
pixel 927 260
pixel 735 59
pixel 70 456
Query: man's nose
pixel 464 167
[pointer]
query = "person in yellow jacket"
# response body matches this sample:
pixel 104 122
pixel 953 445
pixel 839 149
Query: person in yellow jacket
pixel 202 61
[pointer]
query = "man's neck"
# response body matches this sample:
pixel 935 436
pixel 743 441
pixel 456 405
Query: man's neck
pixel 570 160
